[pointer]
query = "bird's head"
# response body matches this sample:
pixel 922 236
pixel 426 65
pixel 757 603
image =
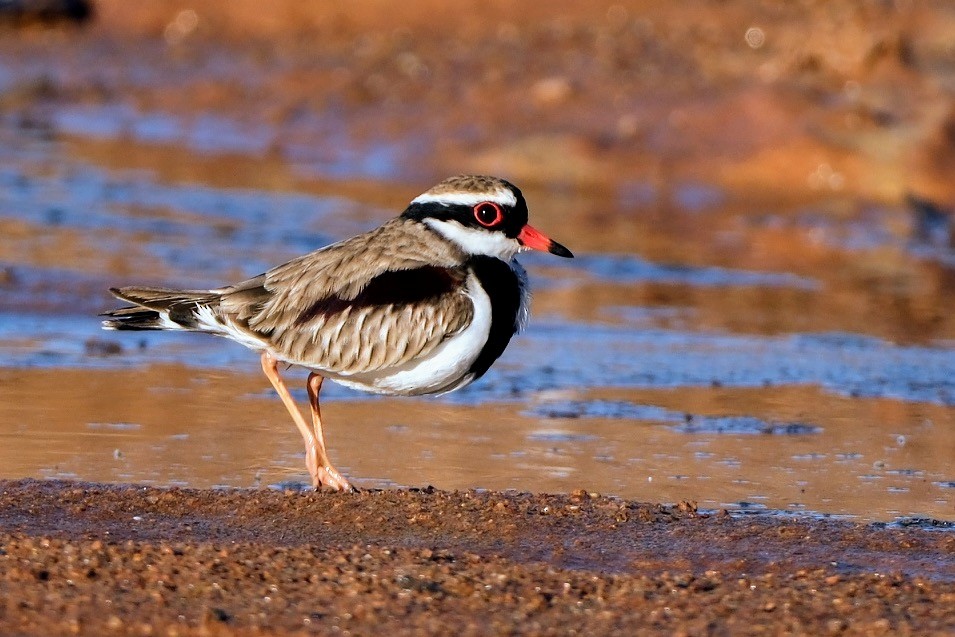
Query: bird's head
pixel 482 216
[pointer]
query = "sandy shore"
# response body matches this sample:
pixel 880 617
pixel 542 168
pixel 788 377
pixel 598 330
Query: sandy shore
pixel 103 559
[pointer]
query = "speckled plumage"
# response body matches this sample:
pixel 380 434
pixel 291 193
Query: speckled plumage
pixel 269 307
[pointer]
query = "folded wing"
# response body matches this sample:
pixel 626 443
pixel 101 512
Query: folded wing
pixel 352 311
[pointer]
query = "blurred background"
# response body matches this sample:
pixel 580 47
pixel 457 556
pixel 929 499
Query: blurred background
pixel 760 196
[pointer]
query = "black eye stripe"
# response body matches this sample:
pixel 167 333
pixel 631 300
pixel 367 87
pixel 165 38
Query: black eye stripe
pixel 513 218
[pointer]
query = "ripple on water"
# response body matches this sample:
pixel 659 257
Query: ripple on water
pixel 205 132
pixel 625 268
pixel 554 435
pixel 114 426
pixel 683 422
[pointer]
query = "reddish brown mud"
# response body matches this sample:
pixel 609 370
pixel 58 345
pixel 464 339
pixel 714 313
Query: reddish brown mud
pixel 77 557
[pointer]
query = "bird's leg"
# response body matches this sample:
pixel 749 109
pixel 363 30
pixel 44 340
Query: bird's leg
pixel 328 473
pixel 315 459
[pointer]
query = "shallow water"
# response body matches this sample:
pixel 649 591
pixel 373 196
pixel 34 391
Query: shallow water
pixel 741 358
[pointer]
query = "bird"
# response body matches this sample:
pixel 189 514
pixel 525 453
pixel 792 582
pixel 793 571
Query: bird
pixel 423 304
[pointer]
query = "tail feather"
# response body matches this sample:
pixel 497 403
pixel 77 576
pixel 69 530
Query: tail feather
pixel 158 308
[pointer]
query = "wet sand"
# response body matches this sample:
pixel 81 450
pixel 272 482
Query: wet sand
pixel 94 559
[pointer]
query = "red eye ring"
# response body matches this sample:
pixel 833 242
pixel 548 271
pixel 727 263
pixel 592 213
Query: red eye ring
pixel 488 214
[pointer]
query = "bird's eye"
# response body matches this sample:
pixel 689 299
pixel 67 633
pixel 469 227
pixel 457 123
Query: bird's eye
pixel 488 214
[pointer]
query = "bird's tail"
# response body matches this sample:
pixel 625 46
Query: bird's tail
pixel 160 309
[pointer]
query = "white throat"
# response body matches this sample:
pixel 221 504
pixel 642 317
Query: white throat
pixel 476 241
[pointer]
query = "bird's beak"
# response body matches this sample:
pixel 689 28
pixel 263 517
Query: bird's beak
pixel 534 239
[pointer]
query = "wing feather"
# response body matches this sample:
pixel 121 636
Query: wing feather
pixel 375 338
pixel 372 302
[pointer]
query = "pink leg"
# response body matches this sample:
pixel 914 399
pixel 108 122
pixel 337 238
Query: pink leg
pixel 316 459
pixel 330 474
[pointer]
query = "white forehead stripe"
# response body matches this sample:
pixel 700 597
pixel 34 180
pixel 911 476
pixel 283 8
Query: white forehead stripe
pixel 503 197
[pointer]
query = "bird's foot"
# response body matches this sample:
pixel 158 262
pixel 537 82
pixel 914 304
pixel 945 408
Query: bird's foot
pixel 328 476
pixel 323 473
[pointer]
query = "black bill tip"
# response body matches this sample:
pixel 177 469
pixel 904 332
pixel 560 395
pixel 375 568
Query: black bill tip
pixel 559 250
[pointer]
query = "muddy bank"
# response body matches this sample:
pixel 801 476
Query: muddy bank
pixel 89 558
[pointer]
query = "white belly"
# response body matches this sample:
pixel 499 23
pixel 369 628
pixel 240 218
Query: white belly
pixel 444 369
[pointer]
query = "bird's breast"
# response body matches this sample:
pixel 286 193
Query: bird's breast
pixel 505 285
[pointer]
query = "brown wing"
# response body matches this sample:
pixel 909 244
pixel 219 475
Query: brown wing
pixel 353 337
pixel 371 302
